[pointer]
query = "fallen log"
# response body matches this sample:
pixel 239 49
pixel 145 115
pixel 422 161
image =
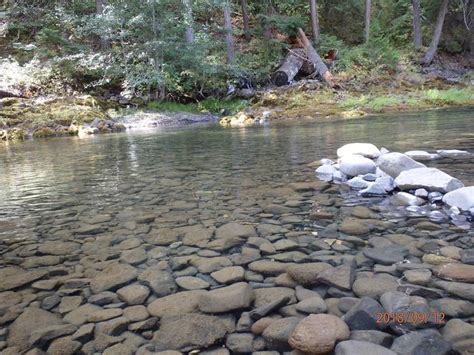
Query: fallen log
pixel 290 67
pixel 5 94
pixel 314 57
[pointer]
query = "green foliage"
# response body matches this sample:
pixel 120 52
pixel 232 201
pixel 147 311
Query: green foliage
pixel 259 61
pixel 378 54
pixel 415 100
pixel 284 24
pixel 137 48
pixel 450 96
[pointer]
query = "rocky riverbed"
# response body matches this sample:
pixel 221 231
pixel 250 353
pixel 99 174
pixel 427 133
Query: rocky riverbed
pixel 308 267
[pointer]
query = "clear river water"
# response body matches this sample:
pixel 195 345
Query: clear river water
pixel 149 215
pixel 178 165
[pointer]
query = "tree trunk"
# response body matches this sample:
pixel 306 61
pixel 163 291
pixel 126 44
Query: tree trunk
pixel 189 22
pixel 229 38
pixel 417 40
pixel 471 46
pixel 468 14
pixel 245 17
pixel 430 53
pixel 267 33
pixel 368 10
pixel 63 4
pixel 100 4
pixel 290 67
pixel 314 57
pixel 314 20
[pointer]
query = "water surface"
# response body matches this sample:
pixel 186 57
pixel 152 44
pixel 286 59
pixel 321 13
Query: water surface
pixel 50 178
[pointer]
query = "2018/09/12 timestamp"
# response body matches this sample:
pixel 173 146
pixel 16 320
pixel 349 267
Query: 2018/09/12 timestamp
pixel 411 317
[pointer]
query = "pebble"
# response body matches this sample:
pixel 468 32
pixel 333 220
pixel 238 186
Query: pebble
pixel 457 272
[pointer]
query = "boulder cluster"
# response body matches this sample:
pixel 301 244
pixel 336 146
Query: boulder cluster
pixel 410 183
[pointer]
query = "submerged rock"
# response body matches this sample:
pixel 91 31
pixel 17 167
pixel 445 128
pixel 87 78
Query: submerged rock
pixel 176 304
pixel 13 277
pixel 226 299
pixel 113 277
pixel 460 334
pixel 427 341
pixel 421 155
pixel 364 315
pixel 454 153
pixel 307 274
pixel 278 332
pixel 356 347
pixel 406 199
pixel 319 333
pixel 189 332
pixel 456 271
pixel 29 322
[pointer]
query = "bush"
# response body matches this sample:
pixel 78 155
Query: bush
pixel 378 54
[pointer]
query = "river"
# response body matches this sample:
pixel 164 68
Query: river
pixel 110 198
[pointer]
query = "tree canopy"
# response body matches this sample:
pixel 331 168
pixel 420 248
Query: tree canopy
pixel 179 49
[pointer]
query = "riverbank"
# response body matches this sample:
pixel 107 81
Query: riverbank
pixel 312 100
pixel 22 118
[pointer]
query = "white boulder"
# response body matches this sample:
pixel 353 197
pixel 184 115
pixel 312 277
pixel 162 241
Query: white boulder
pixel 339 177
pixel 353 165
pixel 394 163
pixel 431 179
pixel 386 182
pixel 367 150
pixel 421 155
pixel 454 153
pixel 462 198
pixel 325 172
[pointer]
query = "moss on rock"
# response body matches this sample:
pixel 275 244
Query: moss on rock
pixel 44 132
pixel 59 116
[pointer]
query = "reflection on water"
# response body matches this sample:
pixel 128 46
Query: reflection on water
pixel 61 177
